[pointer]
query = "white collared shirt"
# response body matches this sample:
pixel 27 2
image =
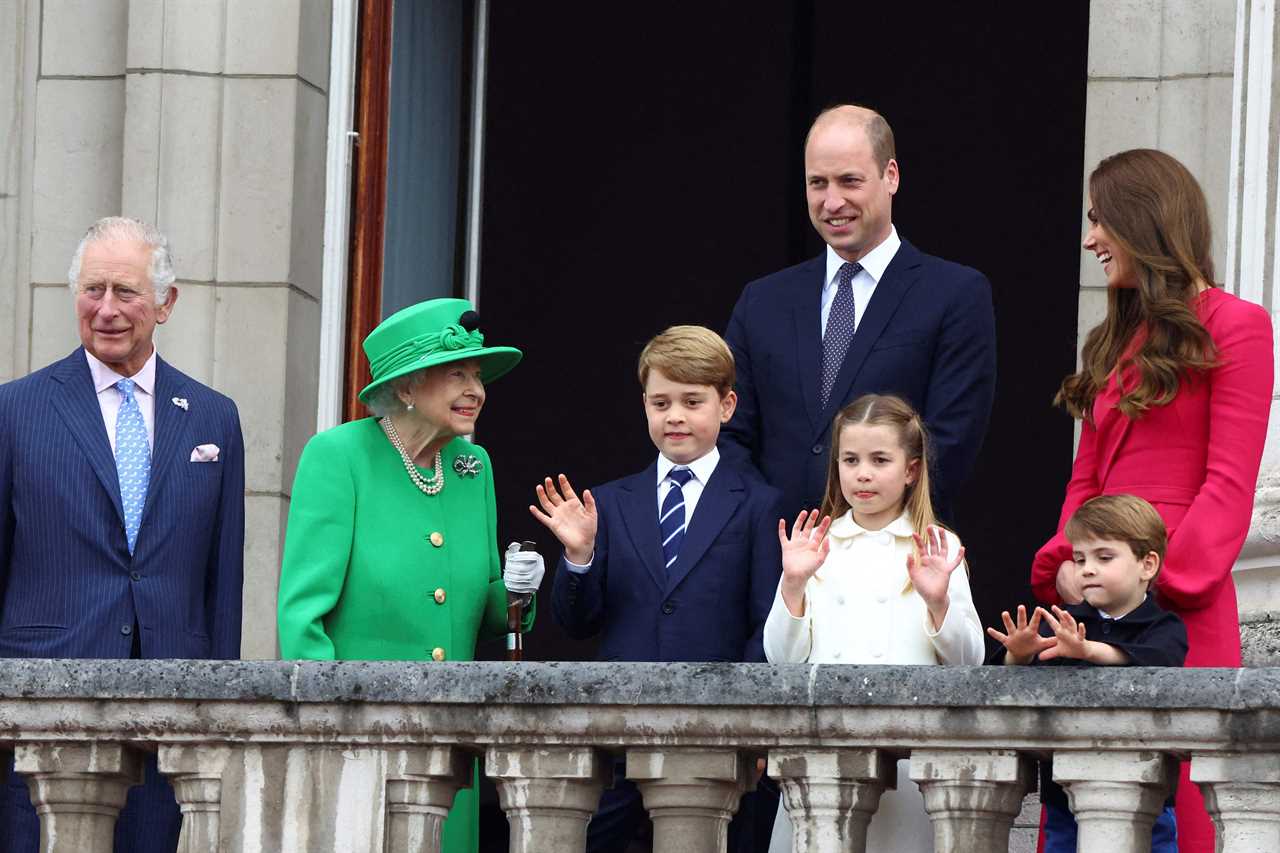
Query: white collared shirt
pixel 864 283
pixel 109 399
pixel 702 469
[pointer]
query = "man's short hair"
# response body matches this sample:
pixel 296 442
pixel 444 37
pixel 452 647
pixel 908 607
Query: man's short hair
pixel 1126 518
pixel 879 134
pixel 692 355
pixel 160 270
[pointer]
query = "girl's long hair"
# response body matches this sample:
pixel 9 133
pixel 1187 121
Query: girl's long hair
pixel 1154 210
pixel 897 414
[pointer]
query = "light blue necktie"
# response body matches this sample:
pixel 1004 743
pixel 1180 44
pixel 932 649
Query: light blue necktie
pixel 671 518
pixel 133 459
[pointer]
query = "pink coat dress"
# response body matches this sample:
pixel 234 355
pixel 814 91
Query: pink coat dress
pixel 1196 460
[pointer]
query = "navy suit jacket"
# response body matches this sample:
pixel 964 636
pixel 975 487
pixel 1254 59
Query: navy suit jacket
pixel 68 586
pixel 714 604
pixel 928 335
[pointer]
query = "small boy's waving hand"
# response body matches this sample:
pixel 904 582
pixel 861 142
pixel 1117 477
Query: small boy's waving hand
pixel 803 553
pixel 1072 642
pixel 572 520
pixel 1023 641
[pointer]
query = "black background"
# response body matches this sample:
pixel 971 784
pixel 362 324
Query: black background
pixel 644 161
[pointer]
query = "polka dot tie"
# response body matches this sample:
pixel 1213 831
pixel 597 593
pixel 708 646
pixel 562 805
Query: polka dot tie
pixel 133 459
pixel 671 520
pixel 835 343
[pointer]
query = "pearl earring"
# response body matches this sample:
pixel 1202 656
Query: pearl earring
pixel 408 407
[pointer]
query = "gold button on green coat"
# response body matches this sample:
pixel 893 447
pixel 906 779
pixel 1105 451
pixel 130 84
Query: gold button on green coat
pixel 355 544
pixel 437 538
pixel 438 595
pixel 437 653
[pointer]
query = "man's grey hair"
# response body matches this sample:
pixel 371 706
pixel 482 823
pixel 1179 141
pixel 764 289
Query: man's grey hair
pixel 160 269
pixel 385 399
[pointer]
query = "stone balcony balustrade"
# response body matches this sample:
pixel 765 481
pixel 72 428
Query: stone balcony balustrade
pixel 282 756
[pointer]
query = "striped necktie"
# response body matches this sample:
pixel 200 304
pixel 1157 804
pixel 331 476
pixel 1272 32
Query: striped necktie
pixel 133 460
pixel 671 518
pixel 835 342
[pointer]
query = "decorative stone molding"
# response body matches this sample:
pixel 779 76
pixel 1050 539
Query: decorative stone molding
pixel 550 734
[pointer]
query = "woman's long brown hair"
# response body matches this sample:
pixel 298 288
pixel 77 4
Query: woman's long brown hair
pixel 1153 209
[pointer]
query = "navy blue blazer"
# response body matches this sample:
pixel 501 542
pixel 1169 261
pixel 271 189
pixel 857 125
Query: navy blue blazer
pixel 927 335
pixel 714 605
pixel 68 585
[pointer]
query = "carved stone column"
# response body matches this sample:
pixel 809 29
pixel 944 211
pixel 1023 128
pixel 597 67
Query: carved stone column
pixel 421 785
pixel 691 794
pixel 1115 796
pixel 972 796
pixel 548 794
pixel 831 795
pixel 195 771
pixel 1242 793
pixel 78 790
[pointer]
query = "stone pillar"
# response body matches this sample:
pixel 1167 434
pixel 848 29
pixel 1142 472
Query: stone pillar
pixel 1115 796
pixel 195 771
pixel 1252 272
pixel 421 785
pixel 691 794
pixel 831 795
pixel 1242 793
pixel 972 796
pixel 78 790
pixel 548 793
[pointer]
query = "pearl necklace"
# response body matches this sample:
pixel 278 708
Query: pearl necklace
pixel 428 487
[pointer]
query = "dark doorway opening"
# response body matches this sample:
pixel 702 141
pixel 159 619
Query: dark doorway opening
pixel 643 163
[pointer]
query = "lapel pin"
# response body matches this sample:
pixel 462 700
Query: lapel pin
pixel 467 466
pixel 180 402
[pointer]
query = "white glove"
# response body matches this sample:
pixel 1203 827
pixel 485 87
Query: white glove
pixel 523 570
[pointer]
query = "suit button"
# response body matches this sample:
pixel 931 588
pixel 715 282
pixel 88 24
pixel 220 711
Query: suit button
pixel 437 654
pixel 134 576
pixel 126 629
pixel 438 595
pixel 668 608
pixel 818 450
pixel 437 538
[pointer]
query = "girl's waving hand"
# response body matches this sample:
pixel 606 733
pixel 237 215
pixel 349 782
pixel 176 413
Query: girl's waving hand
pixel 803 553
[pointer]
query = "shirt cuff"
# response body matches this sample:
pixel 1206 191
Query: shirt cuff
pixel 579 569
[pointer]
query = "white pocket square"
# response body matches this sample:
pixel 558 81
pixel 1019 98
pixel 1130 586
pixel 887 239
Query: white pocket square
pixel 205 453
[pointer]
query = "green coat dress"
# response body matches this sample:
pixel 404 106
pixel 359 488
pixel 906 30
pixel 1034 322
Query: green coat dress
pixel 374 569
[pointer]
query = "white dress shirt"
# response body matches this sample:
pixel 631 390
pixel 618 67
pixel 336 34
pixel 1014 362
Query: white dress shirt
pixel 702 469
pixel 864 283
pixel 104 381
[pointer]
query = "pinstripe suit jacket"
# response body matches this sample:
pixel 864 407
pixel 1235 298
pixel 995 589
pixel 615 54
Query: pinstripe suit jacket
pixel 68 586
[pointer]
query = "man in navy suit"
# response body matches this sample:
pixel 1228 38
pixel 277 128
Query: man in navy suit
pixel 122 501
pixel 872 314
pixel 679 562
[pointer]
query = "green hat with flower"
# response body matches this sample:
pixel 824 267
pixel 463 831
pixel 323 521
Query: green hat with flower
pixel 434 332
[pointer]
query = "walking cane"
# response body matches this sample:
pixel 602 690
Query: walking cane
pixel 516 603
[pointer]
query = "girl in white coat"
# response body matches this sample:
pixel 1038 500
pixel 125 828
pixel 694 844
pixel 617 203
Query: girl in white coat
pixel 874 582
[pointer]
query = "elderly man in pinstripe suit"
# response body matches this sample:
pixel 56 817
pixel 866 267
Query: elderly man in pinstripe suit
pixel 121 504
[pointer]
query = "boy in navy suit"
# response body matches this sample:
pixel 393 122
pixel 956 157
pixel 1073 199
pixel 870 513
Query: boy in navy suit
pixel 679 562
pixel 1118 543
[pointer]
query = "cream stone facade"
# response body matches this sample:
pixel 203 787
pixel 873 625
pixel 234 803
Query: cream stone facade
pixel 213 119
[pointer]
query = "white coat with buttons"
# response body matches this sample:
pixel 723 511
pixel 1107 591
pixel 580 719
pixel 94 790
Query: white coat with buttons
pixel 861 609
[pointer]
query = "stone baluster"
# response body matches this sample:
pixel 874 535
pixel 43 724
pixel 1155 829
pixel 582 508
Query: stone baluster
pixel 1115 796
pixel 1242 793
pixel 832 794
pixel 195 771
pixel 972 796
pixel 548 793
pixel 421 785
pixel 691 794
pixel 78 790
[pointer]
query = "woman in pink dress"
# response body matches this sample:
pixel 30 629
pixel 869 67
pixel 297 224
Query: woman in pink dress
pixel 1174 390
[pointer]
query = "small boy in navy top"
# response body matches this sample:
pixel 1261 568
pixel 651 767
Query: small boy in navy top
pixel 679 562
pixel 1118 543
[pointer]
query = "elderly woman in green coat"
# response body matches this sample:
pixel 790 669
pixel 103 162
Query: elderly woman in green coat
pixel 391 551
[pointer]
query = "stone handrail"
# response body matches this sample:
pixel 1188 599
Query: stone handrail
pixel 285 756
